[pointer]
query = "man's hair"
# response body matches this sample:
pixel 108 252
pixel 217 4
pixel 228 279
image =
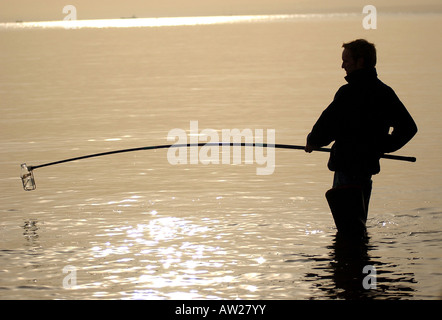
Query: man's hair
pixel 361 48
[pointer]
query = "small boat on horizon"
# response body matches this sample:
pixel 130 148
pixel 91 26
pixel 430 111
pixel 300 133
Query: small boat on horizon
pixel 133 17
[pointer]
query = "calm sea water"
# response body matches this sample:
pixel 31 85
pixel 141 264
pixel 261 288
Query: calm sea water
pixel 133 226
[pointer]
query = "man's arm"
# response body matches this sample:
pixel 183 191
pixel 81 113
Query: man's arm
pixel 404 127
pixel 322 133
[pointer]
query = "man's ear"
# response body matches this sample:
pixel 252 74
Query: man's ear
pixel 360 63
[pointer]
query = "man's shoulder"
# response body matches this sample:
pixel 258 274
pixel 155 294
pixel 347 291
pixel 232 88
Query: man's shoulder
pixel 385 91
pixel 343 89
pixel 383 85
pixel 375 84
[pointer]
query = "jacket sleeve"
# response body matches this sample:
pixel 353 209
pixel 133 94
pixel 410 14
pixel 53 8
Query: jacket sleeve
pixel 323 132
pixel 403 125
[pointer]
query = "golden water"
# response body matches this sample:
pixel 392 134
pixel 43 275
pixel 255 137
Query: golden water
pixel 134 226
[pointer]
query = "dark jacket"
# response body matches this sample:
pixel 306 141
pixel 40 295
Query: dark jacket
pixel 359 120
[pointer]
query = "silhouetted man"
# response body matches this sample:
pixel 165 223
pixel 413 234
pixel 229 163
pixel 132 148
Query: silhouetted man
pixel 359 121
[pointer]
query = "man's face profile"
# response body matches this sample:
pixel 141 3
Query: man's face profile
pixel 349 64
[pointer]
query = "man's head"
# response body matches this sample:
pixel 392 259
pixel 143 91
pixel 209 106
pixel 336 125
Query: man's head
pixel 358 54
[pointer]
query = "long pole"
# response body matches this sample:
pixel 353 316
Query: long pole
pixel 28 180
pixel 262 145
pixel 242 144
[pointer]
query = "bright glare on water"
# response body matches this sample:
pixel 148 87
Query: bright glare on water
pixel 133 226
pixel 167 21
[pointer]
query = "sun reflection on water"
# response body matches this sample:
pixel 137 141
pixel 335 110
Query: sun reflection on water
pixel 166 21
pixel 159 255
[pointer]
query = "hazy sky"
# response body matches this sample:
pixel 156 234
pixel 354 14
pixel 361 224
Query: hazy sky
pixel 40 10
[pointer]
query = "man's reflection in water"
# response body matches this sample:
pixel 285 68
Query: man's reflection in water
pixel 352 273
pixel 349 256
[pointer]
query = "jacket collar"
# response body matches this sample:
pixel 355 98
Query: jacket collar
pixel 362 75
